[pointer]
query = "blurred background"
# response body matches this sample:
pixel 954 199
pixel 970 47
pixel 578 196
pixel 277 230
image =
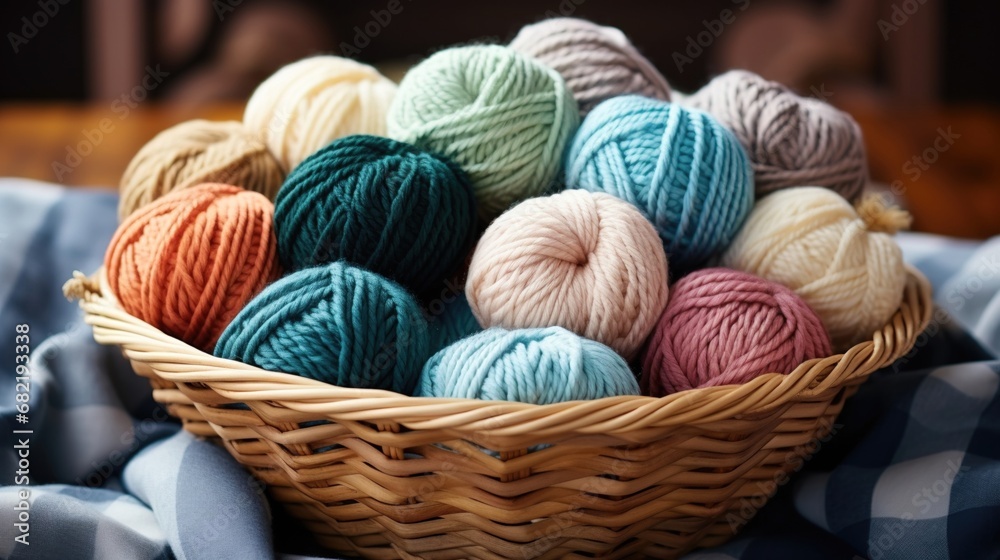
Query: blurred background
pixel 87 82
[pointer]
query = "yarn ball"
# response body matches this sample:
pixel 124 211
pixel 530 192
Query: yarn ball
pixel 382 204
pixel 451 321
pixel 306 104
pixel 196 152
pixel 336 323
pixel 537 366
pixel 597 62
pixel 725 327
pixel 503 116
pixel 188 262
pixel 791 140
pixel 843 262
pixel 684 171
pixel 584 261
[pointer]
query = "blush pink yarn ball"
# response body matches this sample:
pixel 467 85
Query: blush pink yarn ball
pixel 725 327
pixel 587 262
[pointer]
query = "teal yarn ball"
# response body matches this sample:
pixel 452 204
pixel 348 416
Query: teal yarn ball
pixel 336 323
pixel 451 321
pixel 504 117
pixel 687 173
pixel 539 366
pixel 382 204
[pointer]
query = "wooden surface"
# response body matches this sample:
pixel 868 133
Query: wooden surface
pixel 39 141
pixel 952 191
pixel 955 191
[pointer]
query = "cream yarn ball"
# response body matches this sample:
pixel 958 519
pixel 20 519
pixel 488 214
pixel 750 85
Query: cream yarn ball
pixel 587 262
pixel 842 261
pixel 307 104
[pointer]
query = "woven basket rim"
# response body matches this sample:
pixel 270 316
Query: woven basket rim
pixel 681 464
pixel 611 415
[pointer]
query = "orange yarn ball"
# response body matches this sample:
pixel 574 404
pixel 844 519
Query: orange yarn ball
pixel 188 262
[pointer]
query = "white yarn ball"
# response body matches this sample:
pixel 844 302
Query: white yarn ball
pixel 307 104
pixel 842 261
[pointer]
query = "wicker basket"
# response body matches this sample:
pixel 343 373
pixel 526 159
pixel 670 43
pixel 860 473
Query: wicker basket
pixel 380 475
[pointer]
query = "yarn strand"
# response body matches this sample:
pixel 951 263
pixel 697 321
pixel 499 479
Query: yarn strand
pixel 881 218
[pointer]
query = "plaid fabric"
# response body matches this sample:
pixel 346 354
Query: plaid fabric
pixel 111 474
pixel 912 470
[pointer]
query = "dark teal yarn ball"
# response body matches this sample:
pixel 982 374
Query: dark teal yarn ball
pixel 336 323
pixel 450 321
pixel 382 204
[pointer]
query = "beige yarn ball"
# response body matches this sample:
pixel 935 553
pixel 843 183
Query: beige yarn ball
pixel 842 261
pixel 587 262
pixel 196 152
pixel 307 104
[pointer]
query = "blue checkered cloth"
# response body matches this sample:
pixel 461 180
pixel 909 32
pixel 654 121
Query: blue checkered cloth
pixel 912 470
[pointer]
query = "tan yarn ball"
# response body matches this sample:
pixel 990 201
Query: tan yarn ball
pixel 196 152
pixel 307 104
pixel 587 262
pixel 842 261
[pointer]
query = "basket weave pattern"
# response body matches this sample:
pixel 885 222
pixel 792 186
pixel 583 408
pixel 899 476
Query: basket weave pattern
pixel 381 475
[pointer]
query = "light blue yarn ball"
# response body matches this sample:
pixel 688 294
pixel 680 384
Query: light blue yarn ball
pixel 336 323
pixel 687 173
pixel 540 366
pixel 451 321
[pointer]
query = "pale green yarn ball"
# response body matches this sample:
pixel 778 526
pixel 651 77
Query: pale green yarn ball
pixel 502 116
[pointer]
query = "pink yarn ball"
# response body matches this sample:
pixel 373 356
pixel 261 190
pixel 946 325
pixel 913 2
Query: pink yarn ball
pixel 587 262
pixel 725 327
